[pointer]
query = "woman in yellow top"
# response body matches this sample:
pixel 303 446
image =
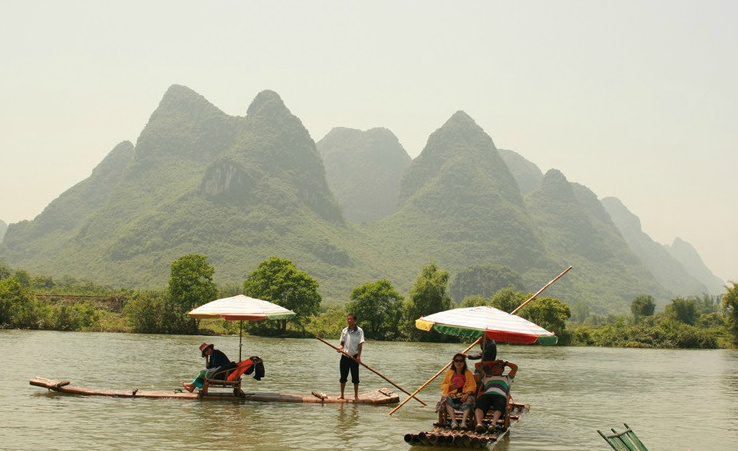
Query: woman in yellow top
pixel 458 388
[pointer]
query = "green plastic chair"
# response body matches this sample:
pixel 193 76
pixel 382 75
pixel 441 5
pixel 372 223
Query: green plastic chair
pixel 624 441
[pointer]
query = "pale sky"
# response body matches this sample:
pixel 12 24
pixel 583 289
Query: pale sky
pixel 634 99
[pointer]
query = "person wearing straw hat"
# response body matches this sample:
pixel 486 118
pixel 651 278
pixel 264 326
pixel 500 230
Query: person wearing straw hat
pixel 215 360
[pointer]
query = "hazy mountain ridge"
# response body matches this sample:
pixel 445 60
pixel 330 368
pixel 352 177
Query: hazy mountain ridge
pixel 459 206
pixel 363 170
pixel 242 189
pixel 692 276
pixel 687 255
pixel 168 204
pixel 670 273
pixel 526 173
pixel 3 229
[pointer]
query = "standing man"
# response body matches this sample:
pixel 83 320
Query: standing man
pixel 352 340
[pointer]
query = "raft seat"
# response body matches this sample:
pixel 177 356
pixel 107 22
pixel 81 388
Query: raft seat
pixel 230 378
pixel 471 421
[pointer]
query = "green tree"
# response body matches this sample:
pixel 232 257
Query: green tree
pixel 549 313
pixel 427 296
pixel 145 311
pixel 508 300
pixel 327 324
pixel 281 282
pixel 19 308
pixel 642 306
pixel 730 310
pixel 474 300
pixel 78 316
pixel 23 277
pixel 579 311
pixel 707 303
pixel 484 280
pixel 5 271
pixel 378 307
pixel 683 310
pixel 42 282
pixel 190 285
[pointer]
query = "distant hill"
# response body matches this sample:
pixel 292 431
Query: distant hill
pixel 686 254
pixel 241 189
pixel 3 228
pixel 575 227
pixel 526 173
pixel 363 170
pixel 238 189
pixel 460 206
pixel 670 272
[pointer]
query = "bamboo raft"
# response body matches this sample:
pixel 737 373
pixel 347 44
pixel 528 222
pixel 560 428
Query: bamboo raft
pixel 443 435
pixel 380 396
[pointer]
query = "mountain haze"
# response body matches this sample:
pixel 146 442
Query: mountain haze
pixel 670 273
pixel 241 189
pixel 574 225
pixel 460 205
pixel 238 189
pixel 686 254
pixel 364 171
pixel 527 174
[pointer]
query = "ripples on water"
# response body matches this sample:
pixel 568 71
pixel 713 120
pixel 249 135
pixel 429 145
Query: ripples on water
pixel 675 400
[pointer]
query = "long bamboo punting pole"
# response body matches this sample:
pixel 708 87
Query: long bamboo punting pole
pixel 540 291
pixel 372 370
pixel 478 340
pixel 435 376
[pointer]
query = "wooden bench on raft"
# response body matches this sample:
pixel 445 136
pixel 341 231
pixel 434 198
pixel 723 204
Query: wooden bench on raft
pixel 230 378
pixel 471 421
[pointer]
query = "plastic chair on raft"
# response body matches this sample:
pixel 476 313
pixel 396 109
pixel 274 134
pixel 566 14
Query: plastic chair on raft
pixel 231 377
pixel 624 441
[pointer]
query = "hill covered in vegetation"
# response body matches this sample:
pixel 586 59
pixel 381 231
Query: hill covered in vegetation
pixel 350 210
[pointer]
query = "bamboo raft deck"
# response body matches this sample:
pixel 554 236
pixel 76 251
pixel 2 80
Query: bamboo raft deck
pixel 380 396
pixel 443 435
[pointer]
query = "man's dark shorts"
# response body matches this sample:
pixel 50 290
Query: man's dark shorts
pixel 493 400
pixel 346 365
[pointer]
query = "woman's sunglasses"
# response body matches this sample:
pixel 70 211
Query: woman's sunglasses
pixel 459 360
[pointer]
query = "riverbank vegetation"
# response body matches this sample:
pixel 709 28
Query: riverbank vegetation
pixel 40 302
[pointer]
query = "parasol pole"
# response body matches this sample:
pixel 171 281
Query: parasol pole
pixel 240 338
pixel 540 291
pixel 370 369
pixel 436 375
pixel 480 338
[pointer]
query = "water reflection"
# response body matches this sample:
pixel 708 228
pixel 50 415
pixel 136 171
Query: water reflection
pixel 347 421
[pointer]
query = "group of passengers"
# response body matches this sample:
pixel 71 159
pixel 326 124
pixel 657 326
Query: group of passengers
pixel 487 388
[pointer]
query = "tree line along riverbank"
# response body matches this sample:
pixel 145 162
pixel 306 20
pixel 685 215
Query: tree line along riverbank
pixel 40 302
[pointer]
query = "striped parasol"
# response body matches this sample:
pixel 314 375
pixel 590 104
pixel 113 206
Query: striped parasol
pixel 498 325
pixel 241 308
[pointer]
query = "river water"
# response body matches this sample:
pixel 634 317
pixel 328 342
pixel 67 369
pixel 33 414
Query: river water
pixel 673 399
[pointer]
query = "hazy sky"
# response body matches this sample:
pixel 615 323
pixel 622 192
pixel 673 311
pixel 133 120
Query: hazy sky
pixel 634 99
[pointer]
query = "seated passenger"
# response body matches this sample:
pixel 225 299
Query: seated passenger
pixel 458 389
pixel 215 361
pixel 494 391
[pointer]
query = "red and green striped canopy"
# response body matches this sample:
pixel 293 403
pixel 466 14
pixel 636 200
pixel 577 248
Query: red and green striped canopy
pixel 498 325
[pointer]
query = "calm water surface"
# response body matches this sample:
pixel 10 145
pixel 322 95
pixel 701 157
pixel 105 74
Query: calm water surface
pixel 675 400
